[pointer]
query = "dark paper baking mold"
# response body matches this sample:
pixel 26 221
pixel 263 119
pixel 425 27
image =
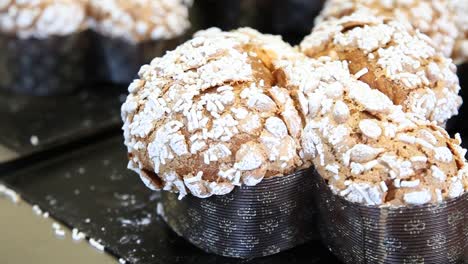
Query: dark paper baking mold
pixel 251 221
pixel 50 66
pixel 421 234
pixel 118 61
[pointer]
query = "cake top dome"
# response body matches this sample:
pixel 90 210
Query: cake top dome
pixel 365 147
pixel 210 115
pixel 399 62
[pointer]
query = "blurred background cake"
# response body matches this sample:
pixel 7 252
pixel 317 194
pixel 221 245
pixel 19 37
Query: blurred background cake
pixel 43 46
pixel 433 18
pixel 130 33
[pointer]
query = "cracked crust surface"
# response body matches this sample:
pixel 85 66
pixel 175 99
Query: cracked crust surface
pixel 367 148
pixel 432 17
pixel 210 115
pixel 42 18
pixel 399 62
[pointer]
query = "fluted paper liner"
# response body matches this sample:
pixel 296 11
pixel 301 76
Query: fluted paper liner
pixel 55 65
pixel 118 61
pixel 251 221
pixel 418 234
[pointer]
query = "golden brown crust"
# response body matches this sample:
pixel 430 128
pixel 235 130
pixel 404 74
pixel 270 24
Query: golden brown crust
pixel 209 115
pixel 400 63
pixel 367 148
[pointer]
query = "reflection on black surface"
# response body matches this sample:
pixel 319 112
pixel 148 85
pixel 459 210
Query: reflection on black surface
pixel 53 120
pixel 90 189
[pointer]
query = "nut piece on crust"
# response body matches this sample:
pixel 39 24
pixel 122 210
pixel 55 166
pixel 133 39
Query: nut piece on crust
pixel 209 115
pixel 400 63
pixel 431 17
pixel 42 18
pixel 139 20
pixel 460 11
pixel 367 148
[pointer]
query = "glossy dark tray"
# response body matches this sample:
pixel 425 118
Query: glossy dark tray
pixel 55 120
pixel 91 189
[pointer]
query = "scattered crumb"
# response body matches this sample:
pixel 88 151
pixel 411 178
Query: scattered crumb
pixel 9 193
pixel 96 244
pixel 122 261
pixel 135 222
pixel 34 140
pixel 77 235
pixel 87 123
pixel 87 220
pixel 58 230
pixel 52 201
pixel 160 211
pixel 36 209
